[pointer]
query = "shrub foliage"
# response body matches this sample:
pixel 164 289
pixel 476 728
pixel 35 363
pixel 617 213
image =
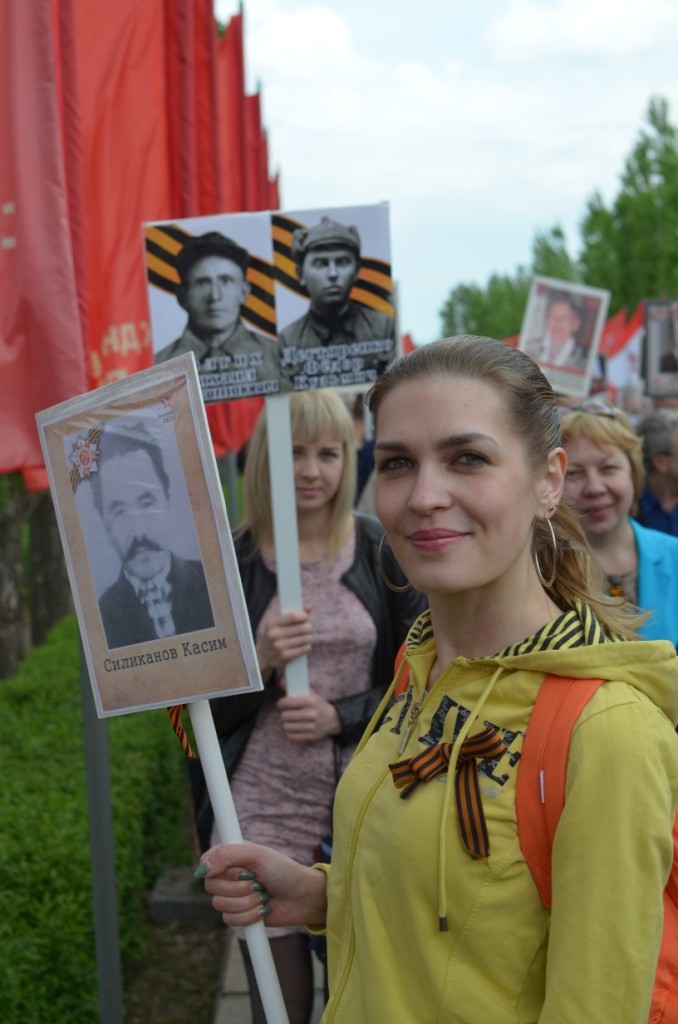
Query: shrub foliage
pixel 48 971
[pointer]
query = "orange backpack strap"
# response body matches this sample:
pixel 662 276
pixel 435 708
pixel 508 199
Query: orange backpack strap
pixel 540 786
pixel 404 680
pixel 665 996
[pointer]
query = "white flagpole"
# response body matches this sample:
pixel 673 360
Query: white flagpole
pixel 229 831
pixel 285 536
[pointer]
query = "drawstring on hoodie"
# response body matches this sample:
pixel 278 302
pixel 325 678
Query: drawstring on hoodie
pixel 449 786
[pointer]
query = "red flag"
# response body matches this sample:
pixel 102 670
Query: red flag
pixel 613 333
pixel 121 49
pixel 231 105
pixel 42 357
pixel 263 167
pixel 245 186
pixel 72 151
pixel 618 331
pixel 207 110
pixel 194 150
pixel 193 145
pixel 231 423
pixel 116 115
pixel 274 192
pixel 181 81
pixel 256 195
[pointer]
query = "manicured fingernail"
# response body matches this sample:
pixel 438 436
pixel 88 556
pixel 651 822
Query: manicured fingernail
pixel 258 887
pixel 202 869
pixel 265 911
pixel 264 897
pixel 246 876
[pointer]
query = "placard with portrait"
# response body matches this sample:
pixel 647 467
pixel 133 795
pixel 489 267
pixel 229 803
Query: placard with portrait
pixel 661 346
pixel 274 302
pixel 147 542
pixel 561 331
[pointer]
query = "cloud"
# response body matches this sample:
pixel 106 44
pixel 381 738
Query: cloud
pixel 299 46
pixel 540 30
pixel 481 126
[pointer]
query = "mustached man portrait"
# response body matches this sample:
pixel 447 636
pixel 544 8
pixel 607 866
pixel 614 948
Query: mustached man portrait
pixel 157 593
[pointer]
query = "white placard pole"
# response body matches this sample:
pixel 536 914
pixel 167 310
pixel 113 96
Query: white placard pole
pixel 229 832
pixel 285 535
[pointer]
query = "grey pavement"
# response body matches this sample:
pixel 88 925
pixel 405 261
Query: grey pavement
pixel 176 896
pixel 232 1004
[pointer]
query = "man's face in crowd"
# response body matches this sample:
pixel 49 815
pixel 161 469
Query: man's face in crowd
pixel 561 322
pixel 328 275
pixel 136 513
pixel 212 295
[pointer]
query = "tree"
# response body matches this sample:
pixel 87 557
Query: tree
pixel 550 257
pixel 14 506
pixel 496 309
pixel 34 587
pixel 632 247
pixel 47 577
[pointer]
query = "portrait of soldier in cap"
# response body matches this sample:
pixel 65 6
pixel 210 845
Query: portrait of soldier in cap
pixel 336 337
pixel 213 286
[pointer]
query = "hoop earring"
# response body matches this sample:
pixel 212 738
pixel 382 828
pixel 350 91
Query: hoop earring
pixel 387 581
pixel 547 583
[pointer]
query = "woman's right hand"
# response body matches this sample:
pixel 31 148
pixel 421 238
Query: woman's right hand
pixel 242 877
pixel 284 637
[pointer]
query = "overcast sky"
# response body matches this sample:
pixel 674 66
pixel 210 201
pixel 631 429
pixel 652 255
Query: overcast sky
pixel 479 123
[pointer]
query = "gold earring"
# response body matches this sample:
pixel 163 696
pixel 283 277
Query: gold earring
pixel 547 583
pixel 391 586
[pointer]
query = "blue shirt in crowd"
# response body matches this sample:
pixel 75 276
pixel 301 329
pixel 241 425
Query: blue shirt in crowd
pixel 653 515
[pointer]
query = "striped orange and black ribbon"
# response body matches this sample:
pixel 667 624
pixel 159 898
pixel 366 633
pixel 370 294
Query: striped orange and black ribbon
pixel 174 713
pixel 435 760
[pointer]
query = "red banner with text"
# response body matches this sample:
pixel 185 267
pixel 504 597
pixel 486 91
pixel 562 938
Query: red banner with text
pixel 42 355
pixel 110 116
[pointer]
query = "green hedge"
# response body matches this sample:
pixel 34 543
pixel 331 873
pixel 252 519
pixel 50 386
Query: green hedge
pixel 47 946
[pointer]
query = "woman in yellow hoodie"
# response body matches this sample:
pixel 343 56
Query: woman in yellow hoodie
pixel 428 918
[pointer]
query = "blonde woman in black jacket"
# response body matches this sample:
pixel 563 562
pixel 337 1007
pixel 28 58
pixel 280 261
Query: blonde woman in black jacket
pixel 285 754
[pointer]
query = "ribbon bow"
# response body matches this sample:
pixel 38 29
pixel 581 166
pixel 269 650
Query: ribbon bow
pixel 435 760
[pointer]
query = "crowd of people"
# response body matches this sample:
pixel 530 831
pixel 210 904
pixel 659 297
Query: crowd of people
pixel 516 540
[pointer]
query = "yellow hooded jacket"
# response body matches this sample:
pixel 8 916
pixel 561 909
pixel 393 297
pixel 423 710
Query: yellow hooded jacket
pixel 398 865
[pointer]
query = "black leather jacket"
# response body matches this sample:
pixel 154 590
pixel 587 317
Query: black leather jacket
pixel 392 614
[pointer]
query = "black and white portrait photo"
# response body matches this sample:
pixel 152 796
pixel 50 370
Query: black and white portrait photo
pixel 148 548
pixel 339 286
pixel 157 592
pixel 211 293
